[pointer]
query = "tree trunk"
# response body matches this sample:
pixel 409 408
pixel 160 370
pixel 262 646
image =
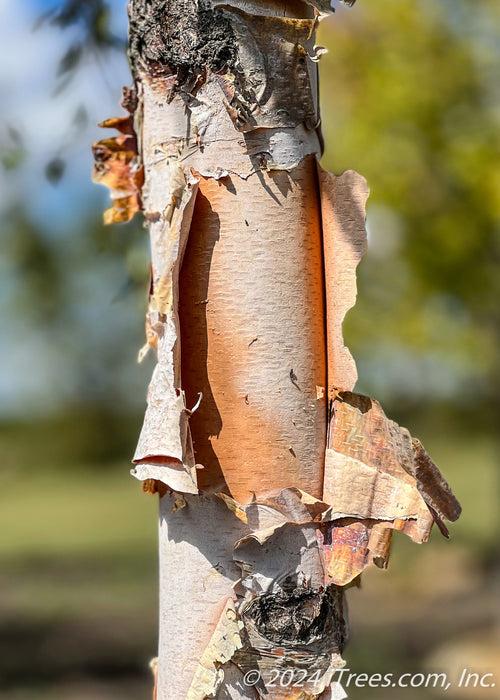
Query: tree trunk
pixel 278 484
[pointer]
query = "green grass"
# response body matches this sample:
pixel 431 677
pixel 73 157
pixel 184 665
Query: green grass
pixel 78 575
pixel 78 543
pixel 75 513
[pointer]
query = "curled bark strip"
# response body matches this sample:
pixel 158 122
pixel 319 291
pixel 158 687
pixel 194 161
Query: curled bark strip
pixel 360 431
pixel 434 489
pixel 343 211
pixel 165 450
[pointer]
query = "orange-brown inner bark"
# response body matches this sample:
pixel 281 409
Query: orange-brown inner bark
pixel 252 313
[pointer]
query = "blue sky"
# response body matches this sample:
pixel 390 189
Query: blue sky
pixel 45 121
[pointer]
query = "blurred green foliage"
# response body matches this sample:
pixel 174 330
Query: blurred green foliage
pixel 407 102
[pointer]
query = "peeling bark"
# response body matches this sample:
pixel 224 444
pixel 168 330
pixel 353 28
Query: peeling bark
pixel 278 485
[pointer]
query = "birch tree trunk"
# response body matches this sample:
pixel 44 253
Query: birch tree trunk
pixel 278 484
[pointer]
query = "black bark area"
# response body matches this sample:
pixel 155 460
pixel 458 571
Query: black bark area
pixel 184 38
pixel 300 617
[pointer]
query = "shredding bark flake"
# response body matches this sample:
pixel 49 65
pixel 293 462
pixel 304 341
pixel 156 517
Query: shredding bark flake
pixel 117 164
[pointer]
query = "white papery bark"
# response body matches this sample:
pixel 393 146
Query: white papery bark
pixel 278 486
